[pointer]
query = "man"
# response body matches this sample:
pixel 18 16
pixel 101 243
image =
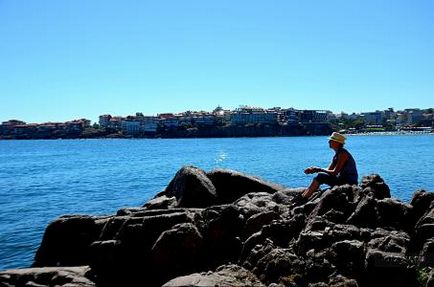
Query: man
pixel 342 169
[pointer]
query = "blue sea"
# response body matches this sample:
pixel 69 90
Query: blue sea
pixel 41 180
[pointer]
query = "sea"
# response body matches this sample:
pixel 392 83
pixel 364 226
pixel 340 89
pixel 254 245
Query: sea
pixel 41 180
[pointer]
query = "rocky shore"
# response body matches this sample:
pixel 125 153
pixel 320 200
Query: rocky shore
pixel 224 228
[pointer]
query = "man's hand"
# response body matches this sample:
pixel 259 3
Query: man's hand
pixel 311 169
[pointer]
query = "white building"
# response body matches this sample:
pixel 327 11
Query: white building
pixel 315 116
pixel 249 115
pixel 149 124
pixel 131 127
pixel 204 119
pixel 170 122
pixel 373 118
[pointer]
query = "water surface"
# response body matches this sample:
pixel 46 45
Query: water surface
pixel 41 180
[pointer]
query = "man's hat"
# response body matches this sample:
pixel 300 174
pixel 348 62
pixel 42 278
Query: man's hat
pixel 337 137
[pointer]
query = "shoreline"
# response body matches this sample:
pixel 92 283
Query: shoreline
pixel 391 133
pixel 382 133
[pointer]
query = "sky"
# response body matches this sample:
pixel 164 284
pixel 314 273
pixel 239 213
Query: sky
pixel 69 59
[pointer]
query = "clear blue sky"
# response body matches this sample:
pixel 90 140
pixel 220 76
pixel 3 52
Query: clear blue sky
pixel 67 59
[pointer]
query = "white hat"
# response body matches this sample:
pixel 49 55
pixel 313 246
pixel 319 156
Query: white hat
pixel 337 137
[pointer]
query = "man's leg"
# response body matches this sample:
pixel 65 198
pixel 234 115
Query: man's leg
pixel 321 178
pixel 314 185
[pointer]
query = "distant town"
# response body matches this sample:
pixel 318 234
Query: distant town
pixel 244 121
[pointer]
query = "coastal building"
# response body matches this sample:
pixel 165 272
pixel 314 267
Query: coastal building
pixel 150 124
pixel 373 118
pixel 131 126
pixel 24 130
pixel 314 116
pixel 291 116
pixel 354 116
pixel 428 119
pixel 401 118
pixel 281 117
pixel 74 126
pixel 104 120
pixel 204 120
pixel 389 114
pixel 116 123
pixel 415 116
pixel 222 116
pixel 169 120
pixel 218 111
pixel 186 119
pixel 83 123
pixel 12 123
pixel 7 127
pixel 165 116
pixel 49 130
pixel 250 115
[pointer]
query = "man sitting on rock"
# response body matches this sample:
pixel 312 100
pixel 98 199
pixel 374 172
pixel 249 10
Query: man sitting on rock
pixel 342 169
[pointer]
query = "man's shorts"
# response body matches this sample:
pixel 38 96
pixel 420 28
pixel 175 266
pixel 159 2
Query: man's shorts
pixel 331 180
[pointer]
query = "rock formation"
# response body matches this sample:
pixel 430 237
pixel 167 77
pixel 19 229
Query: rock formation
pixel 224 228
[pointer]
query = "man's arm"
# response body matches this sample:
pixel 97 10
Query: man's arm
pixel 334 170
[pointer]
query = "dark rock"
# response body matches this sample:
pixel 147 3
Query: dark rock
pixel 309 206
pixel 388 269
pixel 393 213
pixel 253 203
pixel 341 281
pixel 229 275
pixel 161 202
pixel 221 227
pixel 375 185
pixel 335 204
pixel 310 240
pixel 192 188
pixel 428 217
pixel 277 233
pixel 259 220
pixel 421 201
pixel 365 213
pixel 47 277
pixel 129 211
pixel 67 240
pixel 426 257
pixel 125 255
pixel 343 236
pixel 430 280
pixel 349 257
pixel 279 266
pixel 389 241
pixel 284 230
pixel 292 192
pixel 285 196
pixel 318 267
pixel 177 251
pixel 318 223
pixel 317 239
pixel 255 248
pixel 424 229
pixel 105 256
pixel 231 185
pixel 112 227
pixel 341 232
